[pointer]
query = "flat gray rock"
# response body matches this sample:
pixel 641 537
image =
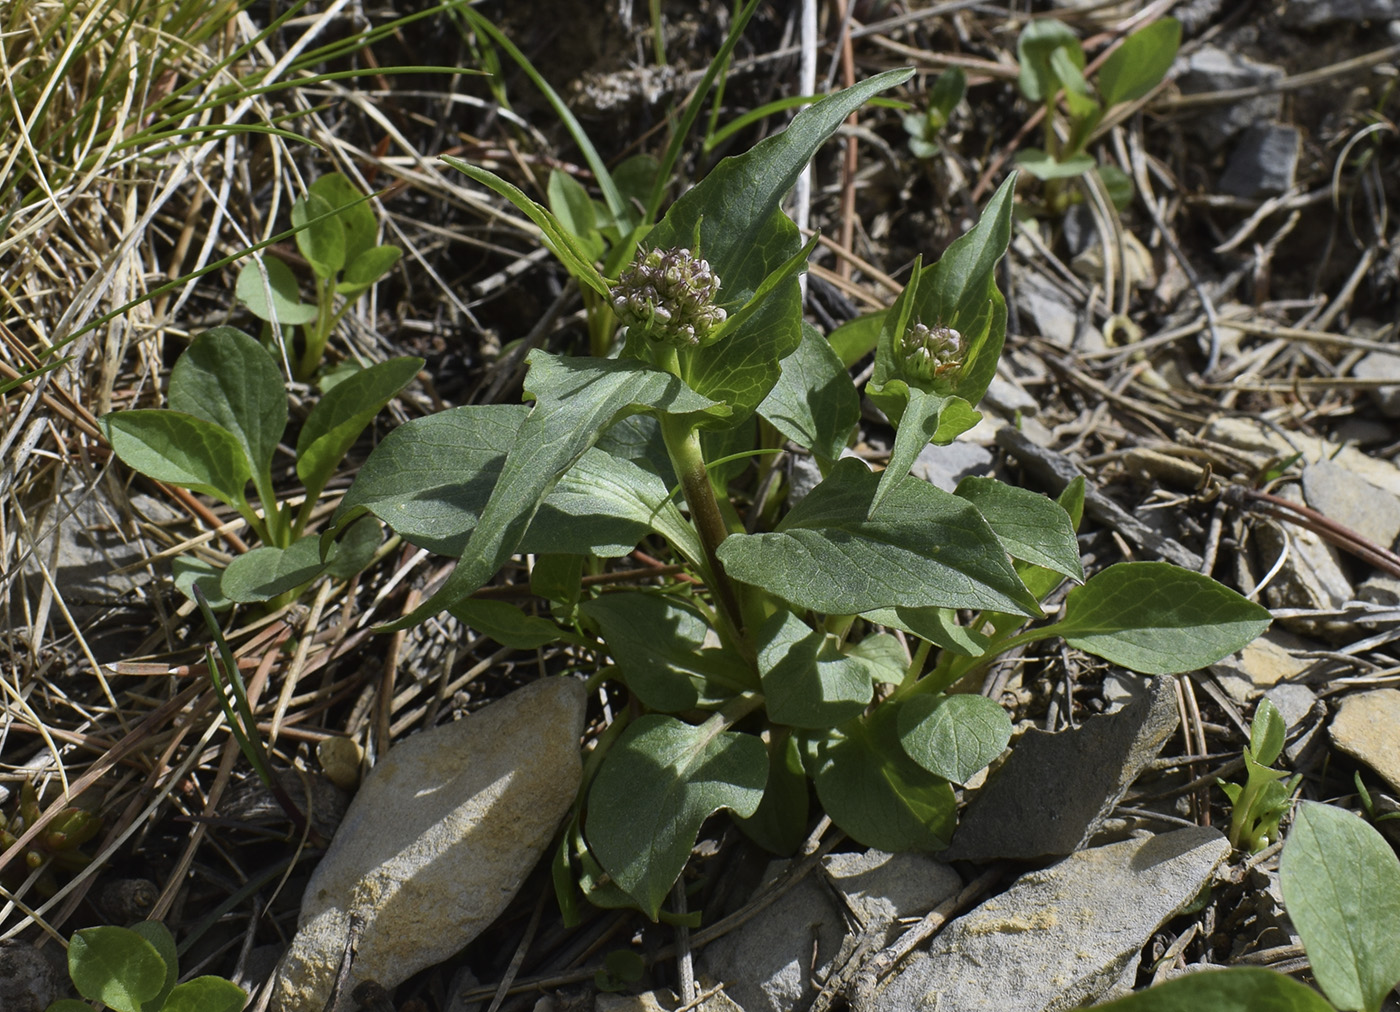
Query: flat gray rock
pixel 1364 728
pixel 1316 13
pixel 767 963
pixel 1211 68
pixel 1055 790
pixel 1379 365
pixel 1264 161
pixel 437 842
pixel 945 466
pixel 1344 496
pixel 1058 938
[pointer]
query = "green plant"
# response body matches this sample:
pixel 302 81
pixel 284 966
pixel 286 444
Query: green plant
pixel 781 672
pixel 1052 64
pixel 228 410
pixel 923 128
pixel 336 234
pixel 61 841
pixel 1341 887
pixel 1257 806
pixel 135 970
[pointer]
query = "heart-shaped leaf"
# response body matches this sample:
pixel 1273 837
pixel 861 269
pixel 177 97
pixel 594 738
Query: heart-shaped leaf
pixel 953 736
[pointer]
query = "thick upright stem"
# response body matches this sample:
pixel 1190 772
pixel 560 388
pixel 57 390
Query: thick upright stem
pixel 683 444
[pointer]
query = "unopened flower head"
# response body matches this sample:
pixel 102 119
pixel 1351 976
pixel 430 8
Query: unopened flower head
pixel 927 353
pixel 670 296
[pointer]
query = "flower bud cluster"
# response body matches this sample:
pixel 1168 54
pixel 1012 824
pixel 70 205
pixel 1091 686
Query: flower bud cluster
pixel 927 353
pixel 670 295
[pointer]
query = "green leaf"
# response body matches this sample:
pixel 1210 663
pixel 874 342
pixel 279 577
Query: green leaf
pixel 1034 50
pixel 190 571
pixel 937 625
pixel 855 339
pixel 228 379
pixel 367 268
pixel 430 478
pixel 164 943
pixel 925 548
pixel 354 549
pixel 886 655
pixel 576 399
pixel 953 736
pixel 507 624
pixel 875 792
pixel 263 573
pixel 814 403
pixel 1158 619
pixel 1341 886
pixel 180 449
pixel 920 422
pixel 115 966
pixel 1266 732
pixel 206 994
pixel 742 233
pixel 807 681
pixel 354 216
pixel 321 239
pixel 1030 526
pixel 558 238
pixel 1140 63
pixel 574 208
pixel 285 306
pixel 1043 166
pixel 780 823
pixel 342 414
pixel 947 91
pixel 655 787
pixel 658 645
pixel 1118 184
pixel 1235 989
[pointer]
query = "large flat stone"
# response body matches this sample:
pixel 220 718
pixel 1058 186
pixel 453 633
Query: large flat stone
pixel 436 843
pixel 1058 938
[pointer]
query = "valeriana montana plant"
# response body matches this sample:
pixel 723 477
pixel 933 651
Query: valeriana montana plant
pixel 773 666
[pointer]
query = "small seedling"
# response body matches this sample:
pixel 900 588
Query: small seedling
pixel 1341 887
pixel 764 683
pixel 136 969
pixel 1052 65
pixel 1257 806
pixel 1367 804
pixel 337 238
pixel 923 128
pixel 228 411
pixel 60 843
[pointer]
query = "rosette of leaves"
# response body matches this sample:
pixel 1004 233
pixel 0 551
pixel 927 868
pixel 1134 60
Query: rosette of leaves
pixel 337 237
pixel 228 412
pixel 782 675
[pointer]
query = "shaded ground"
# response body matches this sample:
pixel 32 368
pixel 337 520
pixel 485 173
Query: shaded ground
pixel 1227 301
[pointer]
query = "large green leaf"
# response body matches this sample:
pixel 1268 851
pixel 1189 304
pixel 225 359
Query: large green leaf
pixel 228 378
pixel 1341 886
pixel 263 573
pixel 280 286
pixel 1235 989
pixel 657 784
pixel 658 645
pixel 164 943
pixel 953 736
pixel 322 238
pixel 734 213
pixel 367 268
pixel 342 414
pixel 1030 526
pixel 430 478
pixel 807 681
pixel 1158 618
pixel 875 792
pixel 780 823
pixel 1035 48
pixel 925 548
pixel 354 217
pixel 1140 63
pixel 206 994
pixel 180 449
pixel 576 399
pixel 115 966
pixel 814 402
pixel 509 625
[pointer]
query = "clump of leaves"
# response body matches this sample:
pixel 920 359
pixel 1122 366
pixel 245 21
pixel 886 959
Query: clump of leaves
pixel 337 233
pixel 60 842
pixel 924 128
pixel 782 673
pixel 1052 66
pixel 1341 887
pixel 1259 804
pixel 136 969
pixel 228 411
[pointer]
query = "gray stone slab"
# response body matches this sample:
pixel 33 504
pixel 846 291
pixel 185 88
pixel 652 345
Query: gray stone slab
pixel 1263 162
pixel 1211 68
pixel 1340 494
pixel 1055 790
pixel 1058 938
